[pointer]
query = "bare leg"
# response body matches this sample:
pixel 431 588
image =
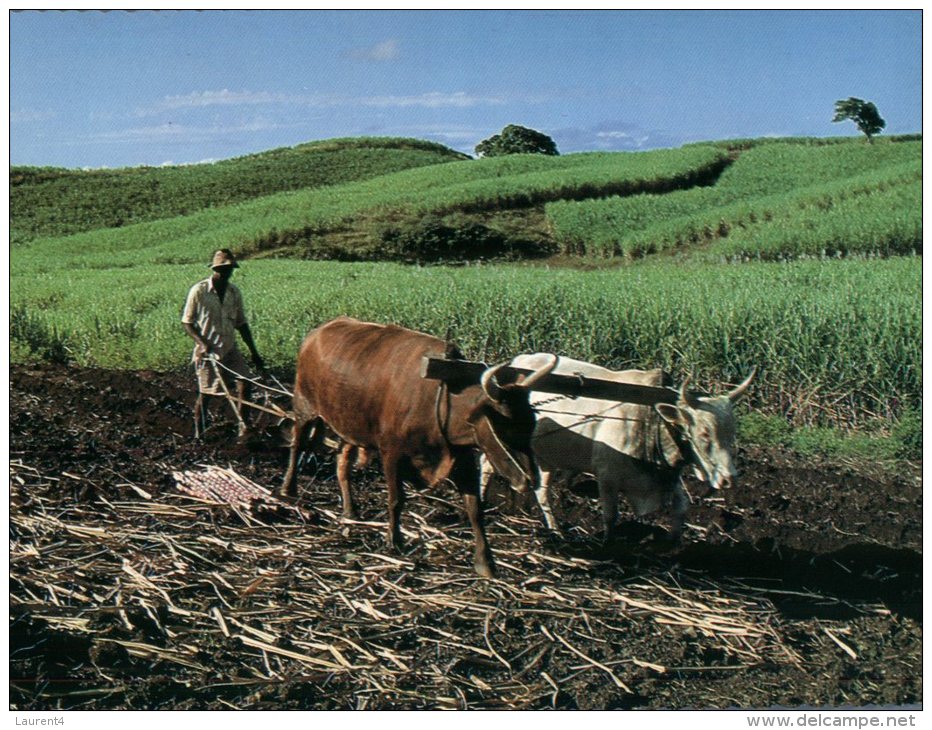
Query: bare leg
pixel 200 415
pixel 344 470
pixel 242 414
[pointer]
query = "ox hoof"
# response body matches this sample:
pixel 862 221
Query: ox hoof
pixel 285 496
pixel 395 543
pixel 484 570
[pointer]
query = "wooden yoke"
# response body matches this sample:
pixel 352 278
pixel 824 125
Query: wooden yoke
pixel 465 372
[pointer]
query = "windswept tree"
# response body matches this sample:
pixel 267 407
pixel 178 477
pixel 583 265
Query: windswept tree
pixel 514 140
pixel 863 113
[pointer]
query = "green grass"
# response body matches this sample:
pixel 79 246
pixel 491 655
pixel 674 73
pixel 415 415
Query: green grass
pixel 879 444
pixel 882 220
pixel 56 202
pixel 835 341
pixel 298 218
pixel 747 143
pixel 767 182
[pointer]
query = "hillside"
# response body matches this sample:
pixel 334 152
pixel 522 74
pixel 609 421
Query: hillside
pixel 707 204
pixel 57 202
pixel 389 200
pixel 780 199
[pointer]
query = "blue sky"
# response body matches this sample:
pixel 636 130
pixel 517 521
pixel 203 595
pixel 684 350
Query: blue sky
pixel 91 89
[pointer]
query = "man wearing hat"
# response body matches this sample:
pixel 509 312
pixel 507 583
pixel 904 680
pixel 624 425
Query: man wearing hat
pixel 213 313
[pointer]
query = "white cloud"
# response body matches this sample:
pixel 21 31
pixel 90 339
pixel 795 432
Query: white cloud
pixel 432 100
pixel 27 116
pixel 629 139
pixel 184 133
pixel 170 163
pixel 224 97
pixel 446 134
pixel 613 135
pixel 227 98
pixel 387 50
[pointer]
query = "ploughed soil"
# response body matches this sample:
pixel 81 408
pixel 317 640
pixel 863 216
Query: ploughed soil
pixel 800 586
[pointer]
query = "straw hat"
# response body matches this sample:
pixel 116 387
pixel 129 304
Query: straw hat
pixel 223 257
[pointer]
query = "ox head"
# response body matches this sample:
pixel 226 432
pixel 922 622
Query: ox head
pixel 708 424
pixel 503 421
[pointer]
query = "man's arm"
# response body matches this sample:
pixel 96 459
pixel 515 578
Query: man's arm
pixel 195 334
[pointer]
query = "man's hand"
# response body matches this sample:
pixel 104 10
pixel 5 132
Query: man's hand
pixel 201 350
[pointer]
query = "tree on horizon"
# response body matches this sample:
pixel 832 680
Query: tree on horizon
pixel 863 113
pixel 514 140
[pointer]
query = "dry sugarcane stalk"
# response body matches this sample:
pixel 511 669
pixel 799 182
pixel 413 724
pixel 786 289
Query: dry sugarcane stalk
pixel 256 644
pixel 618 683
pixel 197 580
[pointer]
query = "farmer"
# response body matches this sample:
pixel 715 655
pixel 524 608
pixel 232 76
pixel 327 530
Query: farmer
pixel 213 313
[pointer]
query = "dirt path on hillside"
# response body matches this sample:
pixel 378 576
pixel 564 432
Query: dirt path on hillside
pixel 802 586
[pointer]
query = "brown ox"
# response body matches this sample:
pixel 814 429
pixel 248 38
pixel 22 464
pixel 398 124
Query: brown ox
pixel 363 381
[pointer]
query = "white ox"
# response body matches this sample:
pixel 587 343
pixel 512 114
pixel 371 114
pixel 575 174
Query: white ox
pixel 636 450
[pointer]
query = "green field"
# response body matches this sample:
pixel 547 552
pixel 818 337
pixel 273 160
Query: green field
pixel 56 202
pixel 301 216
pixel 837 329
pixel 836 337
pixel 765 189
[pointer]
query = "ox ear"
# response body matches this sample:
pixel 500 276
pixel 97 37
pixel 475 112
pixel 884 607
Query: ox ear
pixel 499 455
pixel 672 414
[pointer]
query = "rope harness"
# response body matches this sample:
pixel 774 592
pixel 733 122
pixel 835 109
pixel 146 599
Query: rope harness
pixel 442 425
pixel 658 425
pixel 266 406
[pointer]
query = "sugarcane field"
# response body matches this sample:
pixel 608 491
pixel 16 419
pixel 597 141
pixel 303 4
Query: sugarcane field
pixel 523 361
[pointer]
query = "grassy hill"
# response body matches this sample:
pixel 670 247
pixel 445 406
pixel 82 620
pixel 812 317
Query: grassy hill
pixel 836 341
pixel 779 199
pixel 391 200
pixel 57 202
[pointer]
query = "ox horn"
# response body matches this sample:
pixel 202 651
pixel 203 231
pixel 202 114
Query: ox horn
pixel 541 372
pixel 735 394
pixel 490 384
pixel 686 396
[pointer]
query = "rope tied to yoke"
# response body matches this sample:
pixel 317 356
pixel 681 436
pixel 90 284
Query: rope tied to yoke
pixel 278 388
pixel 235 402
pixel 655 450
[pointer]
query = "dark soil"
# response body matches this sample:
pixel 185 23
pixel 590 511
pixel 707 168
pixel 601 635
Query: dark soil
pixel 827 558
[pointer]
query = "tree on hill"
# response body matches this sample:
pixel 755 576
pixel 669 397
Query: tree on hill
pixel 863 113
pixel 514 140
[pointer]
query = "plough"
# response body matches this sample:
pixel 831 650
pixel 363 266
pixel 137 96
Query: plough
pixel 266 392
